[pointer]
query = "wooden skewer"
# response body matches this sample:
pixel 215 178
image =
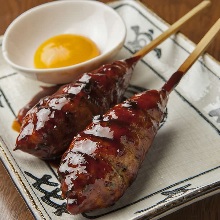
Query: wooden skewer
pixel 172 29
pixel 200 48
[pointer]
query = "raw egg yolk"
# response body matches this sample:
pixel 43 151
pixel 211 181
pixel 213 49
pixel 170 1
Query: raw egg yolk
pixel 64 50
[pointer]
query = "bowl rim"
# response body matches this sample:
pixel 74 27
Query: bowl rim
pixel 66 68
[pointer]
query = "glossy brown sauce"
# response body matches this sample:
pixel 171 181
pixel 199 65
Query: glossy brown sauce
pixel 50 125
pixel 112 143
pixel 45 91
pixel 173 81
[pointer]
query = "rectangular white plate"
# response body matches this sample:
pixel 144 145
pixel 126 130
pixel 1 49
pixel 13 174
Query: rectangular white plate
pixel 183 164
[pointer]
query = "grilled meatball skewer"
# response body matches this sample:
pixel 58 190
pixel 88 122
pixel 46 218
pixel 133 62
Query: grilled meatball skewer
pixel 48 128
pixel 103 160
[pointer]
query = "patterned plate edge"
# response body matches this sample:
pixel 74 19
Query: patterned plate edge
pixel 181 202
pixel 8 165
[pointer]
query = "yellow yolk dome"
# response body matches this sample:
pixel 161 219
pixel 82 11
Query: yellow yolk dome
pixel 64 50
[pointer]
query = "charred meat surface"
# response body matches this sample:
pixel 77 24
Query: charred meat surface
pixel 96 169
pixel 49 127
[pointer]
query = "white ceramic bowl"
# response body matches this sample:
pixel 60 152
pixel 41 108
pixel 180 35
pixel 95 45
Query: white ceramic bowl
pixel 92 19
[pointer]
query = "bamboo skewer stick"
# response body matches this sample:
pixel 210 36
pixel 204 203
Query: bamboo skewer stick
pixel 200 48
pixel 172 29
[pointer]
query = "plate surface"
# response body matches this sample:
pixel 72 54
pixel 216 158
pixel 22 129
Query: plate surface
pixel 183 164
